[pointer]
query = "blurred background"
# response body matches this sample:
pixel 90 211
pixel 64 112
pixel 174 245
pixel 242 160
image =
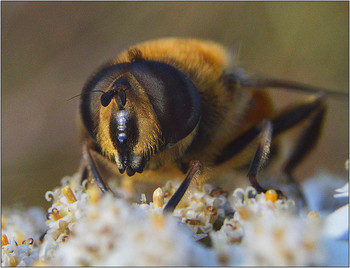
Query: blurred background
pixel 49 49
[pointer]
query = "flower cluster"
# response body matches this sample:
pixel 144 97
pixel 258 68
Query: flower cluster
pixel 267 231
pixel 20 238
pixel 208 227
pixel 202 208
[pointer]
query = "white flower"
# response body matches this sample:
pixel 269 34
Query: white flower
pixel 86 227
pixel 336 232
pixel 264 232
pixel 337 223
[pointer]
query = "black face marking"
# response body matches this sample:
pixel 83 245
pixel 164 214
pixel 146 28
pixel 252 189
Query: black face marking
pixel 122 96
pixel 120 86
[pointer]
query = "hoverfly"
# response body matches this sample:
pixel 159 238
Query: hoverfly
pixel 174 106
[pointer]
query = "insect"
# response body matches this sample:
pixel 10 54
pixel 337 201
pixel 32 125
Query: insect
pixel 175 106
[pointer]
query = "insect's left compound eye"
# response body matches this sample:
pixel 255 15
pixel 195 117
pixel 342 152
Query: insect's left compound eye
pixel 173 97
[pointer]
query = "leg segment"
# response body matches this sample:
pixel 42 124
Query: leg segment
pixel 260 155
pixel 307 140
pixel 303 145
pixel 194 171
pixel 83 170
pixel 93 168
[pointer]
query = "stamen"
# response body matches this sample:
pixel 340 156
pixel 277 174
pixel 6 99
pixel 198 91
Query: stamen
pixel 67 192
pixel 143 199
pixel 94 194
pixel 158 198
pixel 49 196
pixel 48 215
pixel 56 214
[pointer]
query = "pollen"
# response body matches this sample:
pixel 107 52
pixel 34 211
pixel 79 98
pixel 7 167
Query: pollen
pixel 4 240
pixel 67 192
pixel 271 195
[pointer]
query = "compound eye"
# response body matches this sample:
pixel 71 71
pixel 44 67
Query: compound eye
pixel 106 97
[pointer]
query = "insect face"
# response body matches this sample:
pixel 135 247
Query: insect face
pixel 145 107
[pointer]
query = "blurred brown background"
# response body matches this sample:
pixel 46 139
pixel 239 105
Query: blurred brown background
pixel 50 49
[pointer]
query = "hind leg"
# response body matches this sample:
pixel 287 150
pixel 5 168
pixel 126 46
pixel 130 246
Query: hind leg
pixel 304 143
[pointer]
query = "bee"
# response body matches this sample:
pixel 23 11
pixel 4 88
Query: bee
pixel 175 106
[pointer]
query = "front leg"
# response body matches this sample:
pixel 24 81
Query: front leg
pixel 195 170
pixel 92 165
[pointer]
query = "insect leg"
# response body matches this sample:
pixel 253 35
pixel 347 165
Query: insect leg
pixel 260 155
pixel 307 139
pixel 194 171
pixel 312 110
pixel 83 170
pixel 93 168
pixel 303 145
